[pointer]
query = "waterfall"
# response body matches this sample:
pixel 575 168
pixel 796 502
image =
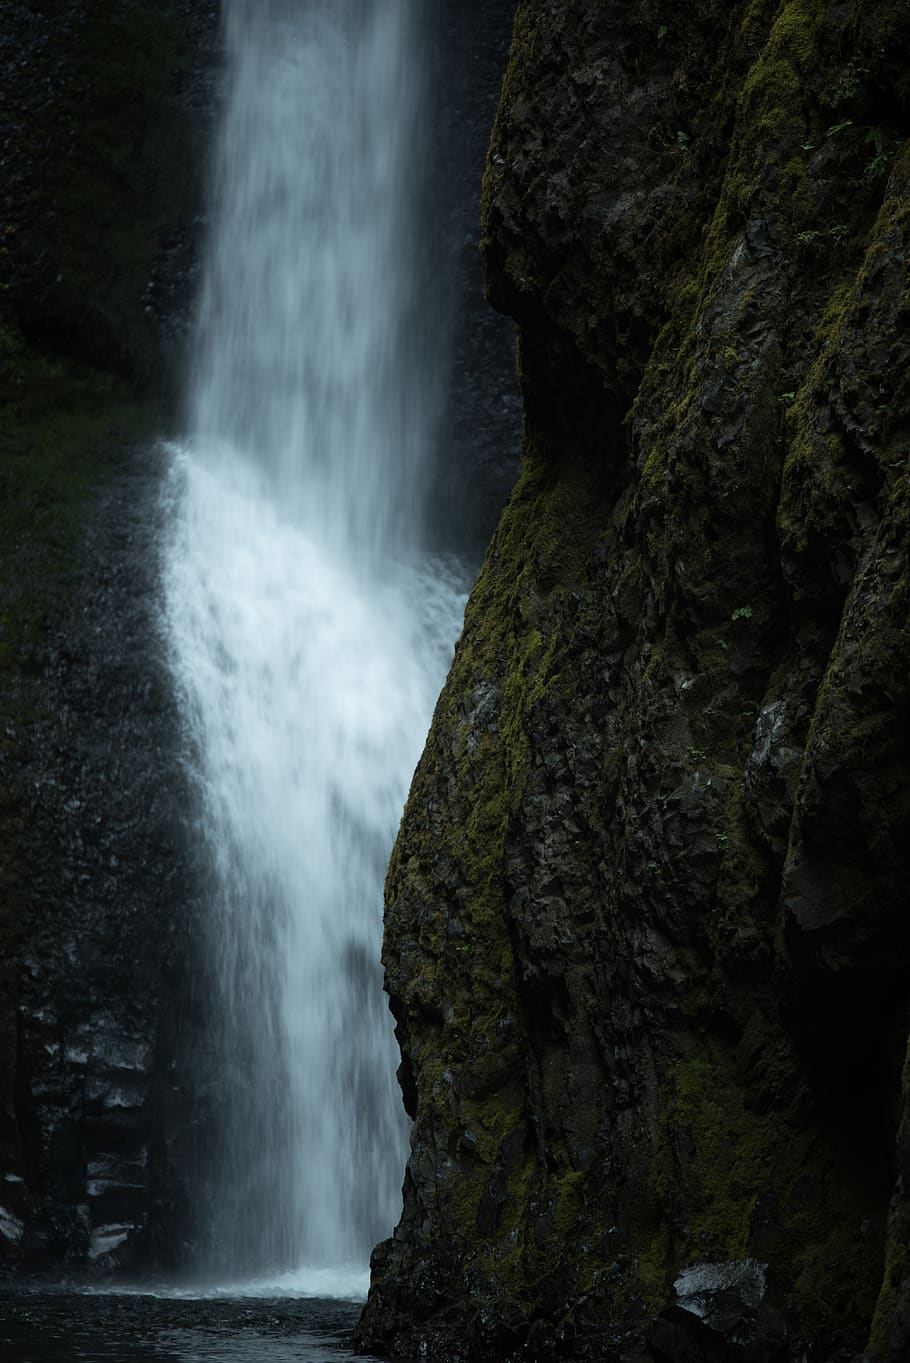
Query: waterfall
pixel 309 627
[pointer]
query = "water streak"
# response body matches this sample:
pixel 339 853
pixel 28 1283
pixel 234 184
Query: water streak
pixel 309 628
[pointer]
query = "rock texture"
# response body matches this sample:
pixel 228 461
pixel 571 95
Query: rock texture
pixel 104 114
pixel 480 437
pixel 646 937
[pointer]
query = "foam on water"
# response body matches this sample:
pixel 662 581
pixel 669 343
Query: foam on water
pixel 349 1284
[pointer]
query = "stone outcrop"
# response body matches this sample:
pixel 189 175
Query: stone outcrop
pixel 645 927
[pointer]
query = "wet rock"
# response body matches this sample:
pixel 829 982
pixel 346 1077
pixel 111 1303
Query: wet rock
pixel 724 1311
pixel 725 1296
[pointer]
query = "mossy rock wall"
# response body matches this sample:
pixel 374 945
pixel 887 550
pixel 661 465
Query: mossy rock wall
pixel 646 934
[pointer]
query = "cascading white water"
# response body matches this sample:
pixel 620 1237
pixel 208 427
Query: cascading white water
pixel 308 628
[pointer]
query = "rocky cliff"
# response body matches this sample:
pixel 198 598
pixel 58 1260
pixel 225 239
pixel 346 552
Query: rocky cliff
pixel 104 116
pixel 645 931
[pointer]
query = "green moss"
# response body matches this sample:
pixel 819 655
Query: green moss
pixel 819 479
pixel 568 1202
pixel 720 1158
pixel 728 1163
pixel 775 89
pixel 512 641
pixel 524 41
pixel 893 1285
pixel 773 113
pixel 747 875
pixel 732 1154
pixel 834 1265
pixel 814 473
pixel 508 670
pixel 756 22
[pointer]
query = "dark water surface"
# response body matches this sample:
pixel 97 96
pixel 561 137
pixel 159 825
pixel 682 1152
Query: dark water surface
pixel 63 1327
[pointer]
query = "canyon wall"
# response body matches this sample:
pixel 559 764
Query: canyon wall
pixel 105 114
pixel 645 921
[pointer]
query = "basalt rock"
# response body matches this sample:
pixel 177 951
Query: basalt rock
pixel 646 937
pixel 723 1311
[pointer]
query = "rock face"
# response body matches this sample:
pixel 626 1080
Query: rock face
pixel 646 935
pixel 481 421
pixel 104 111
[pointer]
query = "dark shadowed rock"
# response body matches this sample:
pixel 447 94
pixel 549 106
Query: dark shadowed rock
pixel 723 1311
pixel 646 917
pixel 105 114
